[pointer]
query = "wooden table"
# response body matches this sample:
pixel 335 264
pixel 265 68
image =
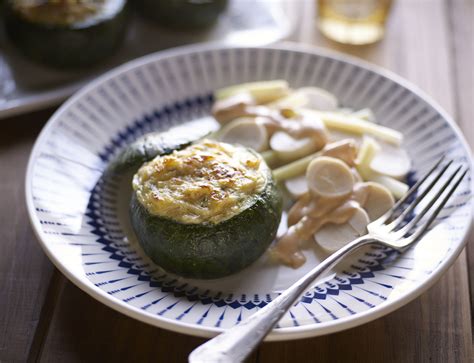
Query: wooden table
pixel 44 317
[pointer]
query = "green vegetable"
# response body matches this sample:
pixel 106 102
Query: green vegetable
pixel 209 251
pixel 262 92
pixel 367 151
pixel 147 148
pixel 357 125
pixel 344 150
pixel 66 34
pixel 182 14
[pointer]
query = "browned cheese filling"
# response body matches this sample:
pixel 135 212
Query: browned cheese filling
pixel 65 12
pixel 207 182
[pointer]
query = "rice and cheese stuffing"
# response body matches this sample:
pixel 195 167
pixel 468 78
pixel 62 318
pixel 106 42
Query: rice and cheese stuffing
pixel 207 182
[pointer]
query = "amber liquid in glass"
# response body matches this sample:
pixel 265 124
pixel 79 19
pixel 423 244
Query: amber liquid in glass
pixel 353 21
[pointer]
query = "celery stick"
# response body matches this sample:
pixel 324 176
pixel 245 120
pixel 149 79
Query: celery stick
pixel 262 92
pixel 366 153
pixel 295 168
pixel 270 157
pixel 294 100
pixel 365 114
pixel 356 125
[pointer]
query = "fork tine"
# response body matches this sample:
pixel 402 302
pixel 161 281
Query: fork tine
pixel 415 187
pixel 384 218
pixel 395 223
pixel 438 209
pixel 425 210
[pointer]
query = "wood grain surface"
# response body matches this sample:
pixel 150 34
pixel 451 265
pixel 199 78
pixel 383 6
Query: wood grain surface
pixel 45 318
pixel 25 271
pixel 461 20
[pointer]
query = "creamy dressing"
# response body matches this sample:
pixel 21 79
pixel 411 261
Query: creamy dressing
pixel 298 126
pixel 312 212
pixel 344 150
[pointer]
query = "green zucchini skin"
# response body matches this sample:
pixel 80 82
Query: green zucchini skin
pixel 210 251
pixel 182 14
pixel 67 46
pixel 145 149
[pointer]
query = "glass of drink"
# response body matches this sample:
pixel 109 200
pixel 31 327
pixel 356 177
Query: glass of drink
pixel 353 21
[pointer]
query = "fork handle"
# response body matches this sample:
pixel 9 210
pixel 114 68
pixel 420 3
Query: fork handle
pixel 236 343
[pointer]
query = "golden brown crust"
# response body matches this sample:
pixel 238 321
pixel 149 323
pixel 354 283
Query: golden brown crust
pixel 207 182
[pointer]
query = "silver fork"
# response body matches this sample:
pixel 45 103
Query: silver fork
pixel 391 230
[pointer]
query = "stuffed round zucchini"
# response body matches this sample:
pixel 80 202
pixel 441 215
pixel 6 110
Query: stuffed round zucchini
pixel 66 33
pixel 206 211
pixel 182 14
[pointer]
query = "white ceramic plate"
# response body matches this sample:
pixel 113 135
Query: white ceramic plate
pixel 82 222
